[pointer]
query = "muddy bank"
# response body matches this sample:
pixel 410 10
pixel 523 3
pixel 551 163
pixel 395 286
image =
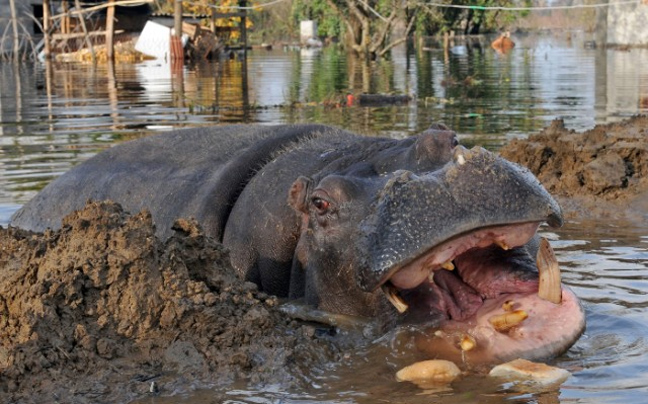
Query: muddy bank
pixel 600 173
pixel 99 310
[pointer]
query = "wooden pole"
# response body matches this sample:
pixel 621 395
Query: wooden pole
pixel 65 26
pixel 46 29
pixel 177 53
pixel 14 25
pixel 177 18
pixel 85 31
pixel 243 3
pixel 212 21
pixel 110 31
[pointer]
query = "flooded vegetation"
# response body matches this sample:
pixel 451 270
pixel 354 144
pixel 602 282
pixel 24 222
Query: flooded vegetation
pixel 54 116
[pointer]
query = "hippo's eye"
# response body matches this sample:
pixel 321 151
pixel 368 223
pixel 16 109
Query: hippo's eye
pixel 321 205
pixel 455 142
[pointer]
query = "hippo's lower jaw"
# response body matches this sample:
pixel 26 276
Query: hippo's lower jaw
pixel 485 292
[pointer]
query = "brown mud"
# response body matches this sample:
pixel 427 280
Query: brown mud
pixel 101 309
pixel 599 173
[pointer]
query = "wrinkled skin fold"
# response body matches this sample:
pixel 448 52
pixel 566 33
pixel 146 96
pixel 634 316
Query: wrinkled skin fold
pixel 418 232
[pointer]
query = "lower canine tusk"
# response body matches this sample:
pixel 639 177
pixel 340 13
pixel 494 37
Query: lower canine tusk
pixel 549 283
pixel 394 298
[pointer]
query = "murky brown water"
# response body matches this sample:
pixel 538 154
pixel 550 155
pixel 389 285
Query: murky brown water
pixel 53 118
pixel 605 263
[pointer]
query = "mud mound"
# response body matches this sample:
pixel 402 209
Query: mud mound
pixel 99 310
pixel 594 173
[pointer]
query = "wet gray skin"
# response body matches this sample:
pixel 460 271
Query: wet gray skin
pixel 360 213
pixel 415 213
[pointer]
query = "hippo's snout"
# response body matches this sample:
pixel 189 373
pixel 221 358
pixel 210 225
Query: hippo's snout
pixel 456 247
pixel 481 156
pixel 476 190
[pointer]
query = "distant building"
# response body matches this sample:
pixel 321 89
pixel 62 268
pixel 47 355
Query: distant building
pixel 625 24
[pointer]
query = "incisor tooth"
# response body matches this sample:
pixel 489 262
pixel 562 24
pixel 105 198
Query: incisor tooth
pixel 467 343
pixel 392 295
pixel 502 244
pixel 448 265
pixel 549 283
pixel 508 320
pixel 508 305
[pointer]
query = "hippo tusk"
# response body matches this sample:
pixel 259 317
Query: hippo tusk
pixel 549 284
pixel 508 320
pixel 394 298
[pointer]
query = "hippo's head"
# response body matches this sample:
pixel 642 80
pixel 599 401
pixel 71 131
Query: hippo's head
pixel 446 240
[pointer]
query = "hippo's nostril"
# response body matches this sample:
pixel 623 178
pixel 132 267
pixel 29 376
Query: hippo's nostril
pixel 555 219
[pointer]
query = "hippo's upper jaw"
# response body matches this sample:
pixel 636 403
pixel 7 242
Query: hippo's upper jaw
pixel 457 247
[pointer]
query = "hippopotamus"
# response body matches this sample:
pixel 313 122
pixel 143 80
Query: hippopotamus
pixel 417 230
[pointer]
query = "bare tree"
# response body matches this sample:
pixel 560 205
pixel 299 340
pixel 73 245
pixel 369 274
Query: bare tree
pixel 22 43
pixel 369 33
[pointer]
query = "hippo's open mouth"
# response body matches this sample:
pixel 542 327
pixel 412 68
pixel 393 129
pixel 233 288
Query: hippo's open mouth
pixel 456 247
pixel 494 303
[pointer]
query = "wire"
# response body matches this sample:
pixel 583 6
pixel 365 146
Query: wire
pixel 532 8
pixel 255 7
pixel 502 8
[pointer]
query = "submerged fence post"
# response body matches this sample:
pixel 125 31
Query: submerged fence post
pixel 14 25
pixel 110 31
pixel 177 53
pixel 243 4
pixel 46 29
pixel 85 30
pixel 65 24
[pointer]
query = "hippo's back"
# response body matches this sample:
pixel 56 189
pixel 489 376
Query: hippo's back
pixel 195 172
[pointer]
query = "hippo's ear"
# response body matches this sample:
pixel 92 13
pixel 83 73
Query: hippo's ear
pixel 438 126
pixel 298 194
pixel 436 144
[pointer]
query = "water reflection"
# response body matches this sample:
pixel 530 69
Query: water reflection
pixel 53 116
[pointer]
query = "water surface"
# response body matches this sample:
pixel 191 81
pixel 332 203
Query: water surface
pixel 56 116
pixel 605 263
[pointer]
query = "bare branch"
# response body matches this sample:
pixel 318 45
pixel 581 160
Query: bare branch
pixel 408 30
pixel 382 36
